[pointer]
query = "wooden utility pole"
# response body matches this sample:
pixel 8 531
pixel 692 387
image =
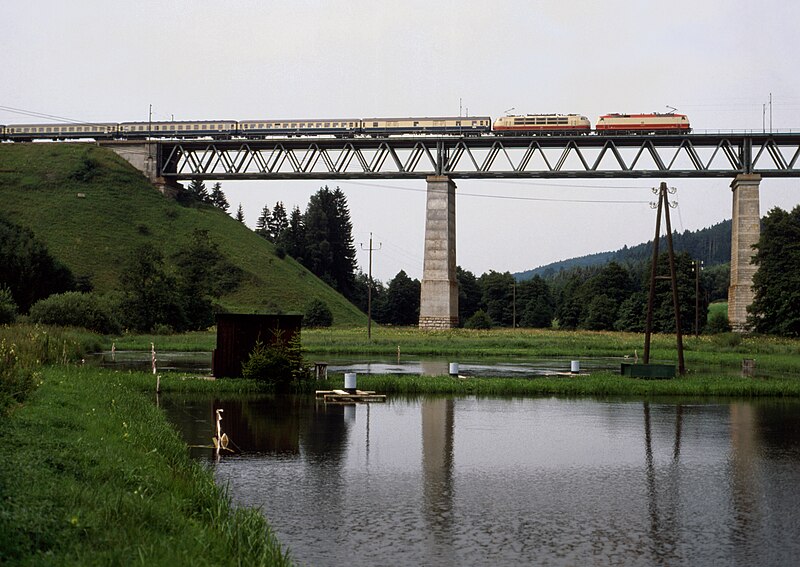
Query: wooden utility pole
pixel 369 286
pixel 663 203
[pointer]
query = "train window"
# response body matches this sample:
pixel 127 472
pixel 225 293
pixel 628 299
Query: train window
pixel 156 127
pixel 327 125
pixel 374 124
pixel 335 124
pixel 262 125
pixel 195 127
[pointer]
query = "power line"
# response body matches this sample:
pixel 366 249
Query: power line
pixel 511 197
pixel 35 114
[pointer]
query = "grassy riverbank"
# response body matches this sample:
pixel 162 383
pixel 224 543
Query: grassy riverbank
pixel 715 354
pixel 94 475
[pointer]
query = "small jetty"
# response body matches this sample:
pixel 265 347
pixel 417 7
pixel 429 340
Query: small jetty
pixel 349 397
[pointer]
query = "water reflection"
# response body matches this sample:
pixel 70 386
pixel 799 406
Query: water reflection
pixel 467 481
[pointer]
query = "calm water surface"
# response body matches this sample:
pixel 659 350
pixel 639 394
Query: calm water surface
pixel 466 481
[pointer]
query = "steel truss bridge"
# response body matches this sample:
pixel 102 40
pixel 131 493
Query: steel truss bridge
pixel 483 157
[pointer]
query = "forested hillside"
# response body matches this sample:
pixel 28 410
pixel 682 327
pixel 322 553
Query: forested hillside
pixel 710 245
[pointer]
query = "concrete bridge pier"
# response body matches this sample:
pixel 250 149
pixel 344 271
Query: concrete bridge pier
pixel 144 157
pixel 745 232
pixel 438 306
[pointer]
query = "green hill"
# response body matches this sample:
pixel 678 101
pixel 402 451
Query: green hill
pixel 92 210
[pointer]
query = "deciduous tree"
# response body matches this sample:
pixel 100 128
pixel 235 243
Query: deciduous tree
pixel 776 306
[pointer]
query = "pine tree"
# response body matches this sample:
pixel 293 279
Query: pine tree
pixel 278 222
pixel 217 197
pixel 240 214
pixel 262 224
pixel 329 251
pixel 293 239
pixel 197 189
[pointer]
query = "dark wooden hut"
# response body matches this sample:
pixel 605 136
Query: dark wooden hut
pixel 238 333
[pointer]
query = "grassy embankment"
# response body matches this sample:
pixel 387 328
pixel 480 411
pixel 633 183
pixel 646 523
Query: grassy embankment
pixel 92 210
pixel 94 475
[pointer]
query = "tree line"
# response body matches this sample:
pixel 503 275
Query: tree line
pixel 613 296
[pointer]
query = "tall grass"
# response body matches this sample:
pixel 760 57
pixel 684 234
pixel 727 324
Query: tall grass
pixel 24 348
pixel 93 475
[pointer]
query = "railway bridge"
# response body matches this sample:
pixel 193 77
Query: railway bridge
pixel 746 158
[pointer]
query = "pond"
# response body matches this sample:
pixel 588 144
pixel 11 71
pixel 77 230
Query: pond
pixel 510 481
pixel 200 362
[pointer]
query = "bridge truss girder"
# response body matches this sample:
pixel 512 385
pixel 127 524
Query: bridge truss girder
pixel 693 155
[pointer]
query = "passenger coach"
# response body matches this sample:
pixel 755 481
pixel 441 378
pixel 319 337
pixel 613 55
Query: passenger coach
pixel 339 127
pixel 462 125
pixel 29 132
pixel 219 129
pixel 567 124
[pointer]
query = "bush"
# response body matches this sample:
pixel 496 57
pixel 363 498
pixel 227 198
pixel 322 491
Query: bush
pixel 718 323
pixel 276 365
pixel 731 340
pixel 75 309
pixel 479 320
pixel 8 308
pixel 318 314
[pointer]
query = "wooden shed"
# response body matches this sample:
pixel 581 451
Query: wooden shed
pixel 238 333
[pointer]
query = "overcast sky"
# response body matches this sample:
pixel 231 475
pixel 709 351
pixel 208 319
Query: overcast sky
pixel 715 60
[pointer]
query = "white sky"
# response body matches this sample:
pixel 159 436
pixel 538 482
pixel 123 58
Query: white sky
pixel 714 60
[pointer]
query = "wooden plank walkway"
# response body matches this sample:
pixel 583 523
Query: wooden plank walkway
pixel 344 397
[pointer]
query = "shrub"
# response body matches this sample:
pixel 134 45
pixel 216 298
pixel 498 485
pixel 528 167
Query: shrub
pixel 479 320
pixel 280 252
pixel 276 365
pixel 318 314
pixel 75 309
pixel 8 308
pixel 718 323
pixel 731 340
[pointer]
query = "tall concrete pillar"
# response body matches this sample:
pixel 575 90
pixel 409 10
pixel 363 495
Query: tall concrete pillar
pixel 745 232
pixel 438 305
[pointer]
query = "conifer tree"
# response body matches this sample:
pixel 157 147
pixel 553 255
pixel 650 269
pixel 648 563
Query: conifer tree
pixel 197 189
pixel 262 224
pixel 240 214
pixel 217 197
pixel 278 222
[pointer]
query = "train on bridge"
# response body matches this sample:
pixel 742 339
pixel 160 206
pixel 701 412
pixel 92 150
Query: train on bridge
pixel 510 125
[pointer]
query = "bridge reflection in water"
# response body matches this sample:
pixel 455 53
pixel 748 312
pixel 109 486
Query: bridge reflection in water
pixel 465 481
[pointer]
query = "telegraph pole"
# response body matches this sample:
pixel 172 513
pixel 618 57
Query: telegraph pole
pixel 369 285
pixel 663 204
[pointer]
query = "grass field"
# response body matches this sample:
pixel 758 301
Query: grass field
pixel 92 217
